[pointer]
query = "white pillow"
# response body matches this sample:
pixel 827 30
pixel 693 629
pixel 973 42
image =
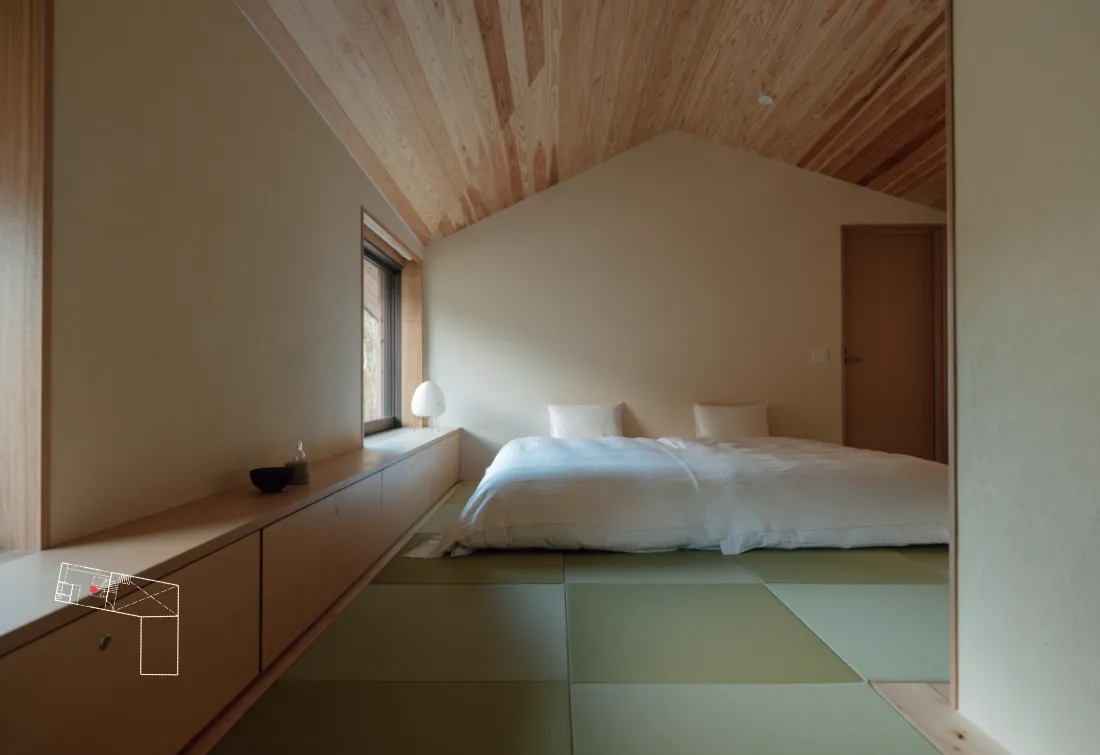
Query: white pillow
pixel 586 421
pixel 726 423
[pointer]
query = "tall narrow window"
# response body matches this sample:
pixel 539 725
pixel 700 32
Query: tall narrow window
pixel 381 341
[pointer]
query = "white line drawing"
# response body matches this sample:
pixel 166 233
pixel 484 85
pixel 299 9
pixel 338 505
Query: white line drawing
pixel 150 599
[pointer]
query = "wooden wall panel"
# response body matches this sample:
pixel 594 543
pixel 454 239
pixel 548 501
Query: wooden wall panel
pixel 25 42
pixel 469 106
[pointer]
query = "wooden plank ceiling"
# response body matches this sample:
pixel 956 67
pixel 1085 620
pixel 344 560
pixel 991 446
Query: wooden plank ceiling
pixel 457 109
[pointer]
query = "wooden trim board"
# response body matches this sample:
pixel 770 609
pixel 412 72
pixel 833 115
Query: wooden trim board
pixel 26 26
pixel 952 432
pixel 383 243
pixel 931 713
pixel 380 244
pixel 205 740
pixel 381 232
pixel 45 537
pixel 939 282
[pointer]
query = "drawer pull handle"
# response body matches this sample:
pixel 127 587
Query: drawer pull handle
pixel 105 642
pixel 336 510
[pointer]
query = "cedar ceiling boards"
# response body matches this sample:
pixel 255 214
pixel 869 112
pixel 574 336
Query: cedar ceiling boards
pixel 457 109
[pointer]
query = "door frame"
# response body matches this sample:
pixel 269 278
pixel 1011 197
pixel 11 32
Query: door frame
pixel 952 345
pixel 940 304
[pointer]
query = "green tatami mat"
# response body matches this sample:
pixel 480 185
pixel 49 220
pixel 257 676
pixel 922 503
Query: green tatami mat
pixel 692 633
pixel 932 556
pixel 441 519
pixel 677 567
pixel 888 633
pixel 789 719
pixel 480 567
pixel 820 566
pixel 445 515
pixel 475 633
pixel 498 718
pixel 461 494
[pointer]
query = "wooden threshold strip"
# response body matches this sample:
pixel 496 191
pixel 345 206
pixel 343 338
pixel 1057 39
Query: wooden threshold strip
pixel 205 740
pixel 928 708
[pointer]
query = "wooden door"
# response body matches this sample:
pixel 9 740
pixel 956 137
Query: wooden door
pixel 893 340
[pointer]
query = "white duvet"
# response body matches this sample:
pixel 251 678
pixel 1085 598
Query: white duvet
pixel 636 494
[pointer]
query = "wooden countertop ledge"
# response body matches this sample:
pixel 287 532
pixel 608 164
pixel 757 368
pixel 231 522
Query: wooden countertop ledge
pixel 161 543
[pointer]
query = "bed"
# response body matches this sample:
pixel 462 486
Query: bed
pixel 642 495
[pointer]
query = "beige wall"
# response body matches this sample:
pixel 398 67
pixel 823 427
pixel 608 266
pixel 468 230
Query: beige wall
pixel 206 309
pixel 678 272
pixel 1028 304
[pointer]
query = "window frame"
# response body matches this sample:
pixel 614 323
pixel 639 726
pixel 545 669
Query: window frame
pixel 391 338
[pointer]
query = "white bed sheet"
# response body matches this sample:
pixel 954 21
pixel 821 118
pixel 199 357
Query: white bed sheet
pixel 638 495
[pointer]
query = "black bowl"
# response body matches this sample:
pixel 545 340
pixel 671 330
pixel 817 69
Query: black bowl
pixel 271 479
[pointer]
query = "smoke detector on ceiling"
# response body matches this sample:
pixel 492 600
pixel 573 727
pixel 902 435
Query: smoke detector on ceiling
pixel 766 98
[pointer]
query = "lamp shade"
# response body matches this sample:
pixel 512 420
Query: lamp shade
pixel 427 400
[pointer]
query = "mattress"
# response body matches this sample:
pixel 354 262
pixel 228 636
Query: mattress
pixel 641 495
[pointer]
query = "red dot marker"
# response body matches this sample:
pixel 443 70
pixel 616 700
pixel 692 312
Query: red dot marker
pixel 93 589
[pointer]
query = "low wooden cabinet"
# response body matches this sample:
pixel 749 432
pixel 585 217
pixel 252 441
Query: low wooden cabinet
pixel 312 556
pixel 79 689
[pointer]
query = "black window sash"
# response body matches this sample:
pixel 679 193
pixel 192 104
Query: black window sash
pixel 391 337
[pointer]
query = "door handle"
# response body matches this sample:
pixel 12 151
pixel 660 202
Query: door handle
pixel 852 360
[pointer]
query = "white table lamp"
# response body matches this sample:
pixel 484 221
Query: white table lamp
pixel 427 401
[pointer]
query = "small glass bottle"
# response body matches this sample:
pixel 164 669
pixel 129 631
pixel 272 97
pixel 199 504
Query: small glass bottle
pixel 299 466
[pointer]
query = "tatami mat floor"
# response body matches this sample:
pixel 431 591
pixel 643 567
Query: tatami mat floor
pixel 768 653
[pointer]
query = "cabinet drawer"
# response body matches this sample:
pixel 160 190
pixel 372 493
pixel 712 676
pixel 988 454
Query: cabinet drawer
pixel 65 694
pixel 406 492
pixel 446 470
pixel 313 556
pixel 432 458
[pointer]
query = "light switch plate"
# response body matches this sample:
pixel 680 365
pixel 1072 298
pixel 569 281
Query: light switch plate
pixel 819 355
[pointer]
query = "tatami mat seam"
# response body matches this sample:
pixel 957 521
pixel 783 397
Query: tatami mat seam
pixel 568 665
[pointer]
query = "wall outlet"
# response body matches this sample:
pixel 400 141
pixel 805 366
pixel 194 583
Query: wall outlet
pixel 819 355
